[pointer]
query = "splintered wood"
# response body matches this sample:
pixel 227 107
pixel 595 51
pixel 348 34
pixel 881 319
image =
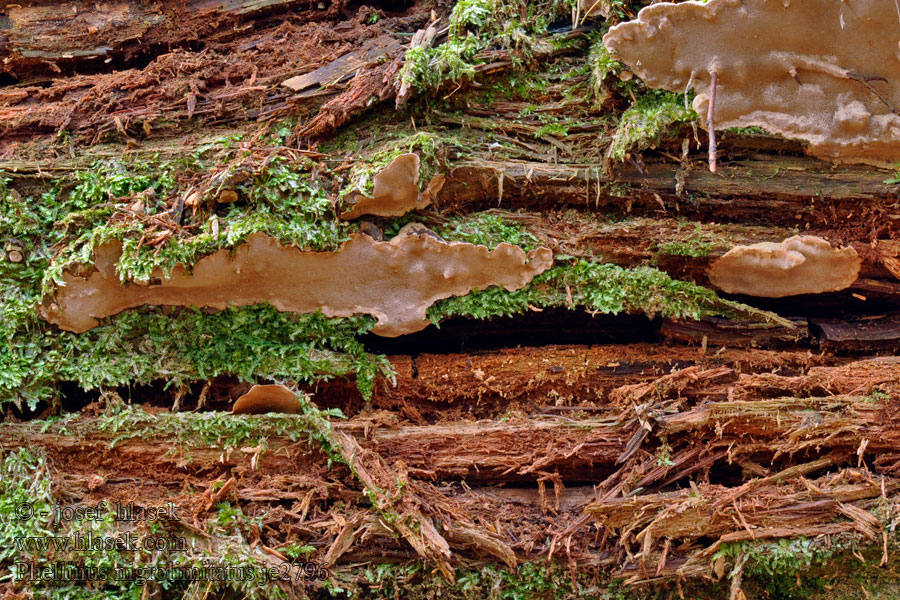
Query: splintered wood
pixel 686 461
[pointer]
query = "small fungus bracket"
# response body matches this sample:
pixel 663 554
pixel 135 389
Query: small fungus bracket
pixel 396 191
pixel 265 399
pixel 802 264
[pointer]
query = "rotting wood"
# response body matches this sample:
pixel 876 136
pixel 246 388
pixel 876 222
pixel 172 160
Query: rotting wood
pixel 875 331
pixel 713 432
pixel 714 332
pixel 762 190
pixel 335 71
pixel 402 508
pixel 38 39
pixel 524 377
pixel 772 506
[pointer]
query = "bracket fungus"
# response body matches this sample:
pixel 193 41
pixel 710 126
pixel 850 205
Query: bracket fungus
pixel 802 264
pixel 393 281
pixel 819 70
pixel 395 191
pixel 267 398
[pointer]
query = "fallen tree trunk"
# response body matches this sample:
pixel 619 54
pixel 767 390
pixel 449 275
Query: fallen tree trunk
pixel 603 424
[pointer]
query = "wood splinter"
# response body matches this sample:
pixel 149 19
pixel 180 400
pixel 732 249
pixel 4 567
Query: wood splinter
pixel 709 121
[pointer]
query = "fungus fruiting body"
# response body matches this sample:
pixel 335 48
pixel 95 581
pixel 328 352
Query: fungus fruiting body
pixel 819 70
pixel 393 281
pixel 802 264
pixel 267 398
pixel 395 191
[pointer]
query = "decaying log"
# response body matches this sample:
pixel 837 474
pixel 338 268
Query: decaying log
pixel 716 332
pixel 38 39
pixel 770 190
pixel 833 432
pixel 869 333
pixel 643 446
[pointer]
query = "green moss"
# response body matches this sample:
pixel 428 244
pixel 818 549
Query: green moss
pixel 786 569
pixel 427 69
pixel 781 567
pixel 752 130
pixel 895 178
pixel 602 65
pixel 296 551
pixel 177 347
pixel 488 230
pixel 60 229
pixel 696 243
pixel 217 429
pixel 600 287
pixel 529 580
pixel 25 482
pixel 647 121
pixel 25 485
pixel 477 25
pixel 532 580
pixel 282 202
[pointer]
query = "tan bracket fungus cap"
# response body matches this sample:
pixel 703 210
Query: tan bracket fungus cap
pixel 393 281
pixel 802 264
pixel 265 399
pixel 824 71
pixel 395 192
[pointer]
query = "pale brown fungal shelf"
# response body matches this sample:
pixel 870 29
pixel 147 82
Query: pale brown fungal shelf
pixel 802 264
pixel 393 281
pixel 267 398
pixel 395 193
pixel 822 71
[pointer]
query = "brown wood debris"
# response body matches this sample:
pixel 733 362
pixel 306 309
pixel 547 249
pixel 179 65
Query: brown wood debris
pixel 722 456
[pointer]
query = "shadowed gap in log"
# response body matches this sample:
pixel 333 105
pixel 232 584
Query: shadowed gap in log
pixel 549 326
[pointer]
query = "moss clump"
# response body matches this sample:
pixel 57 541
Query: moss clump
pixel 58 229
pixel 24 481
pixel 752 130
pixel 647 121
pixel 530 580
pixel 781 567
pixel 477 25
pixel 696 243
pixel 25 485
pixel 118 574
pixel 179 347
pixel 222 430
pixel 602 66
pixel 693 247
pixel 426 69
pixel 600 287
pixel 282 201
pixel 487 229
